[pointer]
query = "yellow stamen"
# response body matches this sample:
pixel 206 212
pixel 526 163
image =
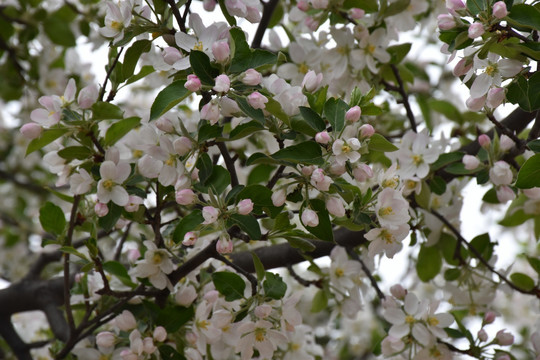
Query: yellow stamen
pixel 108 184
pixel 386 211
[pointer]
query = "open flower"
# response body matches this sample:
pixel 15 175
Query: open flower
pixel 109 187
pixel 155 266
pixel 346 150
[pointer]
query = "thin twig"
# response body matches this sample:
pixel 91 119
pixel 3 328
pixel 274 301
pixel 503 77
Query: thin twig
pixel 355 256
pixel 504 130
pixel 301 280
pixel 248 275
pixel 67 295
pixel 122 241
pixel 177 15
pixel 229 163
pixel 186 12
pixel 268 10
pixel 276 177
pixel 109 72
pixel 405 97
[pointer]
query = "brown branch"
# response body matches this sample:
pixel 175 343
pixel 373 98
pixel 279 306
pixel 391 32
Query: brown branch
pixel 405 97
pixel 68 240
pixel 504 130
pixel 177 15
pixel 268 10
pixel 229 163
pixel 372 280
pixel 276 177
pixel 108 75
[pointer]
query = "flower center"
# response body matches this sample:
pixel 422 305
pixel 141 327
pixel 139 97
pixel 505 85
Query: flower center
pixel 157 258
pixel 386 211
pixel 198 46
pixel 170 160
pixel 339 272
pixel 346 148
pixel 115 25
pixel 417 159
pixel 203 324
pixel 411 184
pixel 137 153
pixel 491 69
pixel 259 334
pixel 433 321
pixel 108 184
pixel 387 236
pixel 342 50
pixel 295 347
pixel 370 48
pixel 303 69
pixel 409 319
pixel 393 182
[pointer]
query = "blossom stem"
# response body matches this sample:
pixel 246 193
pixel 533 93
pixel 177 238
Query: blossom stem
pixel 276 177
pixel 503 129
pixel 177 15
pixel 67 278
pixel 268 10
pixel 108 75
pixel 405 97
pixel 250 277
pixel 229 163
pixel 355 256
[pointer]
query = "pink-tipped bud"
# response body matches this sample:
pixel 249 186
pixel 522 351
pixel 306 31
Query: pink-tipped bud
pixel 312 81
pixel 31 130
pixel 125 321
pixel 257 100
pixel 186 295
pixel 499 9
pixel 88 96
pixel 211 296
pixel 398 291
pixel 185 197
pixel 335 206
pixel 133 255
pixel 251 77
pixel 482 335
pixel 182 145
pixel 210 112
pixel 319 4
pixel 221 51
pixel 446 22
pixel 210 214
pixel 366 131
pixel 495 97
pixel 455 5
pixel 171 55
pixel 310 218
pixel 505 194
pixel 148 345
pixel 322 137
pixel 262 311
pixel 353 114
pixel 190 238
pixel 193 83
pixel 362 172
pixel 500 173
pixel 476 104
pixel 357 13
pixel 133 203
pixel 245 206
pixel 462 67
pixel 279 197
pixel 475 30
pixel 489 317
pixel 209 5
pixel 303 5
pixel 105 339
pixel 160 334
pixel 101 209
pixel 223 84
pixel 506 143
pixel 165 125
pixel 484 141
pixel 504 338
pixel 311 23
pixel 224 245
pixel 471 162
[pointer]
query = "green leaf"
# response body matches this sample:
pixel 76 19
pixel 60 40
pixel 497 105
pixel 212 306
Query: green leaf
pixel 52 218
pixel 525 16
pixel 168 98
pixel 534 145
pixel 218 180
pixel 168 352
pixel 398 52
pixel 535 263
pixel 368 6
pixel 274 108
pixel 58 30
pixel 459 169
pixel 429 263
pixel 186 224
pixel 145 70
pixel 230 285
pixel 482 244
pixel 522 281
pixel 320 301
pixel 118 270
pixel 445 159
pixel 334 110
pixel 46 137
pixel 312 118
pixel 529 174
pixel 437 185
pixel 248 224
pixel 230 19
pixel 102 110
pixel 476 6
pixel 447 109
pixel 322 231
pixel 260 174
pixel 173 317
pixel 75 152
pixel 308 152
pixel 515 218
pixel 204 164
pixel 200 63
pixel 244 57
pixel 120 128
pixel 452 274
pixel 71 250
pixel 396 7
pixel 260 195
pixel 300 243
pixel 377 142
pixel 245 129
pixel 132 56
pixel 258 265
pixel 207 132
pixel 274 287
pixel 108 221
pixel 256 114
pixel 525 92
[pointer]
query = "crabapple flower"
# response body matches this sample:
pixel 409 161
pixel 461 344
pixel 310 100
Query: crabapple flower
pixel 398 291
pixel 320 181
pixel 506 143
pixel 116 20
pixel 125 321
pixel 322 137
pixel 310 218
pixel 248 9
pixel 262 311
pixel 362 172
pixel 245 206
pixel 312 81
pixel 193 83
pixel 88 96
pixel 133 203
pixel 353 114
pixel 185 197
pixel 31 130
pixel 223 84
pixel 391 208
pixel 210 112
pixel 415 155
pixel 455 5
pixel 366 131
pixel 446 22
pixel 185 295
pixel 343 270
pixel 155 266
pixel 202 40
pixel 500 173
pixel 357 13
pixel 494 70
pixel 504 338
pixel 221 51
pixel 160 334
pixel 475 104
pixel 210 214
pixel 182 145
pixel 471 162
pixel 251 77
pixel 386 240
pixel 105 339
pixel 408 320
pixel 279 197
pixel 224 245
pixel 475 30
pixel 346 150
pixel 334 205
pixel 164 124
pixel 499 9
pixel 81 182
pixel 257 100
pixel 261 336
pixel 505 194
pixel 109 187
pixel 495 97
pixel 53 106
pixel 484 141
pixel 189 238
pixel 101 209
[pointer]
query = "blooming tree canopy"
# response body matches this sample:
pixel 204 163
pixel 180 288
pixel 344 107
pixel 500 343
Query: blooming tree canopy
pixel 241 178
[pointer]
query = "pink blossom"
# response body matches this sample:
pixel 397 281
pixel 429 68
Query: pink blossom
pixel 499 9
pixel 495 97
pixel 279 197
pixel 251 77
pixel 31 130
pixel 210 112
pixel 160 334
pixel 362 172
pixel 221 51
pixel 262 311
pixel 303 5
pixel 109 187
pixel 476 104
pixel 185 295
pixel 185 197
pixel 446 22
pixel 171 55
pixel 484 141
pixel 320 181
pixel 257 100
pixel 165 125
pixel 319 4
pixel 223 84
pixel 182 145
pixel 209 5
pixel 125 321
pixel 489 317
pixel 133 203
pixel 391 208
pixel 310 218
pixel 335 206
pixel 475 30
pixel 312 81
pixel 189 238
pixel 482 335
pixel 462 67
pixel 357 13
pixel 101 209
pixel 366 131
pixel 471 162
pixel 500 173
pixel 210 214
pixel 455 5
pixel 193 83
pixel 224 245
pixel 105 339
pixel 506 143
pixel 353 114
pixel 322 137
pixel 504 338
pixel 398 291
pixel 245 206
pixel 505 194
pixel 88 96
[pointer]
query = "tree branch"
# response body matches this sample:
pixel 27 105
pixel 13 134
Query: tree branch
pixel 268 10
pixel 177 16
pixel 405 97
pixel 355 256
pixel 228 162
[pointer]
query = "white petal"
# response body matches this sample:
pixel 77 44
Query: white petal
pixel 119 195
pixel 481 85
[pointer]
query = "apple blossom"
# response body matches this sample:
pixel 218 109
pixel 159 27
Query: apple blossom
pixel 335 206
pixel 484 141
pixel 362 172
pixel 506 143
pixel 346 150
pixel 224 245
pixel 133 203
pixel 245 207
pixel 257 100
pixel 160 334
pixel 353 114
pixel 193 83
pixel 88 96
pixel 101 209
pixel 221 51
pixel 475 30
pixel 251 77
pixel 505 194
pixel 310 218
pixel 500 173
pixel 109 187
pixel 210 214
pixel 185 197
pixel 223 84
pixel 125 321
pixel 495 97
pixel 210 112
pixel 312 81
pixel 155 266
pixel 320 181
pixel 499 9
pixel 391 209
pixel 279 197
pixel 471 162
pixel 322 137
pixel 105 339
pixel 189 238
pixel 366 131
pixel 504 338
pixel 446 22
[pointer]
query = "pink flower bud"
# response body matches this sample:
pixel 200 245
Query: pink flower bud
pixel 262 311
pixel 495 97
pixel 505 143
pixel 362 172
pixel 128 355
pixel 221 51
pixel 101 209
pixel 31 130
pixel 245 206
pixel 504 357
pixel 160 334
pixel 211 296
pixel 310 218
pixel 455 5
pixel 500 173
pixel 105 339
pixel 224 245
pixel 484 141
pixel 320 181
pixel 504 338
pixel 311 23
pixel 210 112
pixel 125 321
pixel 171 55
pixel 532 193
pixel 223 84
pixel 257 100
pixel 499 9
pixel 182 145
pixel 337 168
pixel 186 296
pixel 133 203
pixel 489 317
pixel 303 5
pixel 88 96
pixel 366 131
pixel 191 337
pixel 398 291
pixel 335 206
pixel 482 335
pixel 148 345
pixel 165 125
pixel 279 197
pixel 505 194
pixel 462 67
pixel 475 30
pixel 476 104
pixel 193 83
pixel 446 22
pixel 312 81
pixel 195 174
pixel 251 77
pixel 353 114
pixel 471 162
pixel 322 137
pixel 209 5
pixel 308 170
pixel 189 238
pixel 210 214
pixel 133 255
pixel 357 13
pixel 319 4
pixel 185 197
